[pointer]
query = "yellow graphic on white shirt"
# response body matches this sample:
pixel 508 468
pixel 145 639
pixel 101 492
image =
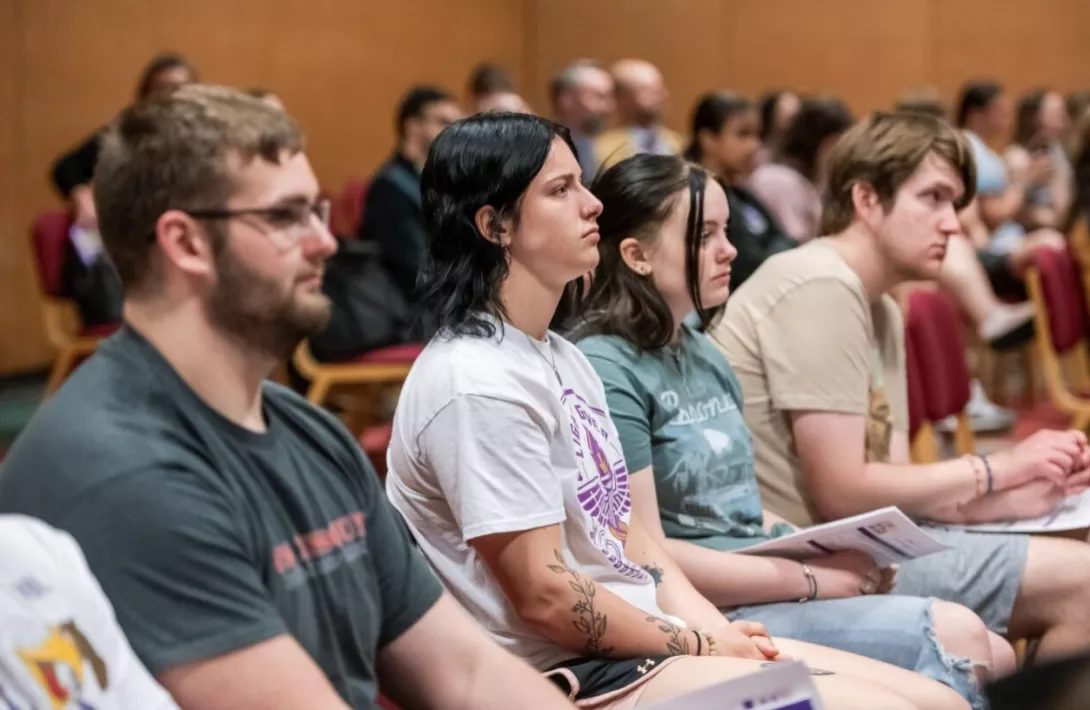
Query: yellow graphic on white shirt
pixel 58 666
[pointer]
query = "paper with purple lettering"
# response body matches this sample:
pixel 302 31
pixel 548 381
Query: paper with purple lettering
pixel 780 686
pixel 1072 513
pixel 887 535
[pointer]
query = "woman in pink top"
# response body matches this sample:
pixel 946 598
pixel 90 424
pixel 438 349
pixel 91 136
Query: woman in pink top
pixel 791 185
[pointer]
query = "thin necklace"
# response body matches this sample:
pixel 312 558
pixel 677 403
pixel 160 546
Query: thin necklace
pixel 541 355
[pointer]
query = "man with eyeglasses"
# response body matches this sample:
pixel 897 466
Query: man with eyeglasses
pixel 242 538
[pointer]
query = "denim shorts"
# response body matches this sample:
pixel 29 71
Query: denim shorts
pixel 982 571
pixel 893 629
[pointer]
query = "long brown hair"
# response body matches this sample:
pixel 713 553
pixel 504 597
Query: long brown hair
pixel 638 195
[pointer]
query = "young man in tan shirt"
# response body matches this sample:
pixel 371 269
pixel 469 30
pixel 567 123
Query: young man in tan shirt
pixel 817 344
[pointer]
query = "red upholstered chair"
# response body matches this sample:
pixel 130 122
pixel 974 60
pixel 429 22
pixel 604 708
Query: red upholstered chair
pixel 73 342
pixel 933 338
pixel 349 208
pixel 374 441
pixel 1055 287
pixel 386 704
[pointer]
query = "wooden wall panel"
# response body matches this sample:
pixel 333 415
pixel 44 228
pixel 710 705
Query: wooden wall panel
pixel 1024 46
pixel 22 343
pixel 68 66
pixel 862 51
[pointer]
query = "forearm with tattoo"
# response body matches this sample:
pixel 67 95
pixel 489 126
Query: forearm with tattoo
pixel 592 622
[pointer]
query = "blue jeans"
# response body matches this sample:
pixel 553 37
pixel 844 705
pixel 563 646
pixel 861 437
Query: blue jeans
pixel 893 629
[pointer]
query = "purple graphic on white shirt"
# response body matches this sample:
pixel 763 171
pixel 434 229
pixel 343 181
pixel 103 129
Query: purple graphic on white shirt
pixel 602 482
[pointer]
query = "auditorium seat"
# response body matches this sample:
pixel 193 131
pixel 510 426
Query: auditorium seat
pixel 73 342
pixel 933 336
pixel 1055 287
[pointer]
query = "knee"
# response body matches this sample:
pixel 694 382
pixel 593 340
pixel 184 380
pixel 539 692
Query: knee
pixel 961 632
pixel 1004 659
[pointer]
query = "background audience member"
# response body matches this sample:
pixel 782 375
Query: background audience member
pixel 791 185
pixel 391 212
pixel 268 96
pixel 726 142
pixel 641 105
pixel 485 81
pixel 87 277
pixel 238 531
pixel 818 346
pixel 73 171
pixel 1040 134
pixel 985 114
pixel 583 102
pixel 778 109
pixel 1081 204
pixel 60 645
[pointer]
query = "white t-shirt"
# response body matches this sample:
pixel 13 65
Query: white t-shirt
pixel 486 440
pixel 60 645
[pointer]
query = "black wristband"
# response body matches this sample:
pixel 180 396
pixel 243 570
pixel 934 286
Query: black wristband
pixel 988 470
pixel 699 643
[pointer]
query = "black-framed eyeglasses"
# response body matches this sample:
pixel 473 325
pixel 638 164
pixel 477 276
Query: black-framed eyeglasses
pixel 295 214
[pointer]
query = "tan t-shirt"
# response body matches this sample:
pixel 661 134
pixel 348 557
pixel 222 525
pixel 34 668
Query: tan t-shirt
pixel 801 335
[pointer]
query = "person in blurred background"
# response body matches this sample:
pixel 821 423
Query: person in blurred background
pixel 1041 130
pixel 778 109
pixel 725 141
pixel 490 88
pixel 791 185
pixel 985 113
pixel 72 172
pixel 641 105
pixel 270 97
pixel 391 213
pixel 583 102
pixel 87 277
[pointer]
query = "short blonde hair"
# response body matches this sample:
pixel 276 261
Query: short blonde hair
pixel 884 151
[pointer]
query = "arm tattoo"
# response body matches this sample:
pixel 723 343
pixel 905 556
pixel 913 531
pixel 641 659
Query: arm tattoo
pixel 588 620
pixel 677 641
pixel 656 573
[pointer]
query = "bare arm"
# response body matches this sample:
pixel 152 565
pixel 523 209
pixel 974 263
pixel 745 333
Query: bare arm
pixel 724 579
pixel 272 675
pixel 997 209
pixel 570 609
pixel 841 483
pixel 445 662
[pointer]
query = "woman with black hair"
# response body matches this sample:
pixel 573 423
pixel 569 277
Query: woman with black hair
pixel 725 142
pixel 505 463
pixel 662 279
pixel 791 185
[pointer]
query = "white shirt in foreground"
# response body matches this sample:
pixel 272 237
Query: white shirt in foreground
pixel 486 440
pixel 60 645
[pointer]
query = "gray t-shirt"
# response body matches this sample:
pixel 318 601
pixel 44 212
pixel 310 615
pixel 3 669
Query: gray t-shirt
pixel 208 538
pixel 676 410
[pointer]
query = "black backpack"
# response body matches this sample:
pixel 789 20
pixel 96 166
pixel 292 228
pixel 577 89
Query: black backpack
pixel 369 311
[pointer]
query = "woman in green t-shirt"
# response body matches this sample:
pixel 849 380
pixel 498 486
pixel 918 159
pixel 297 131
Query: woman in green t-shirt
pixel 663 276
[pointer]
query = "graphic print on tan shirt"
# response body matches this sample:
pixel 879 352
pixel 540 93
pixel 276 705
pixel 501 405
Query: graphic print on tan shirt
pixel 879 414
